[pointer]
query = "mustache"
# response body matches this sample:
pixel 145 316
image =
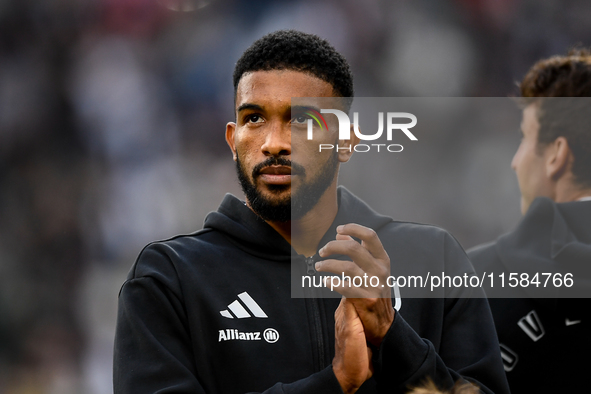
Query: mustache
pixel 278 161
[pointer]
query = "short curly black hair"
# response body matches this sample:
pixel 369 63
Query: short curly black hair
pixel 295 50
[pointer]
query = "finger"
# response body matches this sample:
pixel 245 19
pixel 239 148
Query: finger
pixel 354 292
pixel 350 322
pixel 339 312
pixel 351 315
pixel 347 274
pixel 342 237
pixel 369 237
pixel 355 287
pixel 339 267
pixel 349 309
pixel 374 306
pixel 377 316
pixel 359 254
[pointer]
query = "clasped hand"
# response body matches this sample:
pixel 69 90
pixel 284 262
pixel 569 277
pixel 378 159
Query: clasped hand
pixel 365 313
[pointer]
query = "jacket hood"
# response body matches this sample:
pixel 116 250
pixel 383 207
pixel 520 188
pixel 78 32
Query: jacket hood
pixel 252 234
pixel 551 238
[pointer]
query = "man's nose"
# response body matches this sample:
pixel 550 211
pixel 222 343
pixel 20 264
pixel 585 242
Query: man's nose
pixel 514 161
pixel 277 141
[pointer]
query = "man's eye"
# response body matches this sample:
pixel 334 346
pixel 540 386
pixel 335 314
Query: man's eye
pixel 300 119
pixel 254 118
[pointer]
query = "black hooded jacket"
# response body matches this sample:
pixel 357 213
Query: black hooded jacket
pixel 211 312
pixel 545 338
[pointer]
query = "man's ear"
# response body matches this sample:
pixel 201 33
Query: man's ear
pixel 230 133
pixel 347 147
pixel 559 158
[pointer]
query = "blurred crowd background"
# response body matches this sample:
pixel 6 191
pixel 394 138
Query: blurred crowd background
pixel 112 116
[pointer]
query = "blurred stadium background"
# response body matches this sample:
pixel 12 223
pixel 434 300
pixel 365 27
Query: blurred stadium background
pixel 112 115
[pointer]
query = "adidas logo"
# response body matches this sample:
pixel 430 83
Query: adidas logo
pixel 236 308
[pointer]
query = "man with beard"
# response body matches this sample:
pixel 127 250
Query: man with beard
pixel 212 312
pixel 543 332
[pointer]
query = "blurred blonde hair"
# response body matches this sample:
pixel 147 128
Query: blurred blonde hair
pixel 461 387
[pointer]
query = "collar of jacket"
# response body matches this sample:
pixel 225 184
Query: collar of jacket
pixel 550 238
pixel 253 235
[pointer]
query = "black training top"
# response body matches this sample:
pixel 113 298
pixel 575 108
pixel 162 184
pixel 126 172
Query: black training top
pixel 545 338
pixel 211 312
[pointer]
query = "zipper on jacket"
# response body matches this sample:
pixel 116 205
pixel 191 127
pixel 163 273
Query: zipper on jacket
pixel 310 268
pixel 319 333
pixel 314 303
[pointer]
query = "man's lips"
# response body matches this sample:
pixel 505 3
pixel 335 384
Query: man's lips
pixel 276 175
pixel 276 170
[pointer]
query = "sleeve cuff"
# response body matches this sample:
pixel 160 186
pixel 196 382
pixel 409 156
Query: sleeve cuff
pixel 400 355
pixel 324 381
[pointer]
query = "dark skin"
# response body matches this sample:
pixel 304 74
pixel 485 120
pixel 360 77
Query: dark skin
pixel 263 128
pixel 373 304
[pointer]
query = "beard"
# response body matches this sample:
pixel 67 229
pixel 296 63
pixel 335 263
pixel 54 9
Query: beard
pixel 293 206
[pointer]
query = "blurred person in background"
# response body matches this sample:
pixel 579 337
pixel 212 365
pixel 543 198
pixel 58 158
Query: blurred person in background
pixel 212 311
pixel 546 342
pixel 431 388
